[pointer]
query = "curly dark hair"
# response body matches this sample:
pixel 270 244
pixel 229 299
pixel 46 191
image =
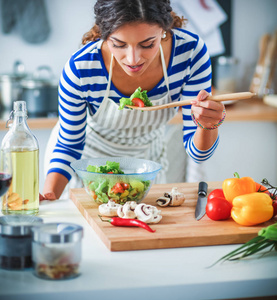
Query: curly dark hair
pixel 112 14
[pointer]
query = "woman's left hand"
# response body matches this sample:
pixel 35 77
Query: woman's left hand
pixel 206 112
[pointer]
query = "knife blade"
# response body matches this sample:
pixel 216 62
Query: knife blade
pixel 200 209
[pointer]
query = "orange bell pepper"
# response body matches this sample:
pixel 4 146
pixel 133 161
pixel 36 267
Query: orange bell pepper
pixel 237 186
pixel 252 209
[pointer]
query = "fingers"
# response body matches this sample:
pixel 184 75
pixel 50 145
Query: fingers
pixel 207 112
pixel 41 197
pixel 47 196
pixel 202 95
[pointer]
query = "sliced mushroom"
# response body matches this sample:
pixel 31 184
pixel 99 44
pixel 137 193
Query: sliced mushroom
pixel 177 198
pixel 163 201
pixel 127 210
pixel 109 209
pixel 174 198
pixel 148 213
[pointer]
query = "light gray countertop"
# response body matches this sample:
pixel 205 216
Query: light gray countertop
pixel 180 273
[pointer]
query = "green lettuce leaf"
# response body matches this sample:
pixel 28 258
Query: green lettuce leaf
pixel 138 93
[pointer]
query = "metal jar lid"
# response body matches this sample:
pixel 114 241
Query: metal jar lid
pixel 57 233
pixel 18 225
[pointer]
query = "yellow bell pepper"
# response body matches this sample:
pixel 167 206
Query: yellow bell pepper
pixel 252 209
pixel 237 186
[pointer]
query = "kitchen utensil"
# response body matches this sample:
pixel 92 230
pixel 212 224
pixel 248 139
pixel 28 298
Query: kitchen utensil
pixel 137 179
pixel 40 91
pixel 10 86
pixel 269 70
pixel 220 98
pixel 177 228
pixel 200 209
pixel 259 70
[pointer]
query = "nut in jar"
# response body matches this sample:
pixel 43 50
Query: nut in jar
pixel 57 250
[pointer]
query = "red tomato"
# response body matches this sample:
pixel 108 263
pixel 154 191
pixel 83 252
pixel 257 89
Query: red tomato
pixel 216 193
pixel 138 102
pixel 274 204
pixel 125 185
pixel 218 208
pixel 118 188
pixel 110 173
pixel 261 188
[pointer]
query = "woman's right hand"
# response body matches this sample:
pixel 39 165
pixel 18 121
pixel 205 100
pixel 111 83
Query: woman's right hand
pixel 47 196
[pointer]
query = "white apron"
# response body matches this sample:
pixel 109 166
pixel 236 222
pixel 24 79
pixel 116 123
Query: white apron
pixel 113 132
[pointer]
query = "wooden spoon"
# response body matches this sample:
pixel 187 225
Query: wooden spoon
pixel 219 98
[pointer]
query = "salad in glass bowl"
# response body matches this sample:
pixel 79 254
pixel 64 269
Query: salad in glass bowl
pixel 119 179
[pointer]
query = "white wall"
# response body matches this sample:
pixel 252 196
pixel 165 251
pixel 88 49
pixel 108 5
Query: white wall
pixel 69 20
pixel 252 19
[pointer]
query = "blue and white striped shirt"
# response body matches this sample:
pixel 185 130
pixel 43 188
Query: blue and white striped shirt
pixel 84 81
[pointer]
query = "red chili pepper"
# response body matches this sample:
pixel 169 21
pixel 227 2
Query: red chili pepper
pixel 116 221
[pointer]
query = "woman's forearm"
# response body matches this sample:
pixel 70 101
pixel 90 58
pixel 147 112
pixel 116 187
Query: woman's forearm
pixel 54 183
pixel 204 139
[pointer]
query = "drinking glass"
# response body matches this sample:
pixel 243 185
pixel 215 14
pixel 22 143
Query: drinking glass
pixel 5 171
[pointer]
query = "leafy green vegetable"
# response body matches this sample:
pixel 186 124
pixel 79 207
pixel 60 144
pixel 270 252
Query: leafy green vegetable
pixel 137 94
pixel 267 237
pixel 124 101
pixel 110 167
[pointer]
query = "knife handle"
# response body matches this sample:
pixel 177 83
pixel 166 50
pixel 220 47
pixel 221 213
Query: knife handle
pixel 202 188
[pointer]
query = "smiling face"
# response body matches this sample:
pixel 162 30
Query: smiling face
pixel 135 46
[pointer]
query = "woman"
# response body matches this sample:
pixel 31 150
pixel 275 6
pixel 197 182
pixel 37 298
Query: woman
pixel 133 44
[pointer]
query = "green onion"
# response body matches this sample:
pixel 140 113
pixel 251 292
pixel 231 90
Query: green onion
pixel 267 238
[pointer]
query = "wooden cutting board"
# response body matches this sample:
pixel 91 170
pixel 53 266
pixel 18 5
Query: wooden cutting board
pixel 178 227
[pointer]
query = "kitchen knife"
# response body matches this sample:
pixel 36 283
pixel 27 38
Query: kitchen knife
pixel 200 209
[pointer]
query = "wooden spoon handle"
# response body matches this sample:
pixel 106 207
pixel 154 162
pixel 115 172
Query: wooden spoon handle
pixel 219 98
pixel 233 96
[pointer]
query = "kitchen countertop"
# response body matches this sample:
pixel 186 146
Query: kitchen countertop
pixel 180 273
pixel 245 110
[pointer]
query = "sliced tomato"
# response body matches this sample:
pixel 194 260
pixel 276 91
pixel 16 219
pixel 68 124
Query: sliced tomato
pixel 109 172
pixel 138 102
pixel 118 188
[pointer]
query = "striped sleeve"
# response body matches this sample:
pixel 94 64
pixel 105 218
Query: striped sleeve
pixel 198 79
pixel 72 119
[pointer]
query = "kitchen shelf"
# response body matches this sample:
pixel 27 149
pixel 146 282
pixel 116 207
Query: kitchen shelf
pixel 35 123
pixel 244 110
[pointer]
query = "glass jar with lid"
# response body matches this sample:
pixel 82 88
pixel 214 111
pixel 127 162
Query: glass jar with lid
pixel 226 74
pixel 56 250
pixel 16 241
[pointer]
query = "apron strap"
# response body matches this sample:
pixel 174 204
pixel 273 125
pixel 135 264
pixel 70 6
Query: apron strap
pixel 164 68
pixel 110 79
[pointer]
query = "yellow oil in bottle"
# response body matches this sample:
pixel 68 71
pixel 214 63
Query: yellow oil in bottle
pixel 23 194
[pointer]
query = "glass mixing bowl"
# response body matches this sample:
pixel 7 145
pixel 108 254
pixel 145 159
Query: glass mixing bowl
pixel 133 185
